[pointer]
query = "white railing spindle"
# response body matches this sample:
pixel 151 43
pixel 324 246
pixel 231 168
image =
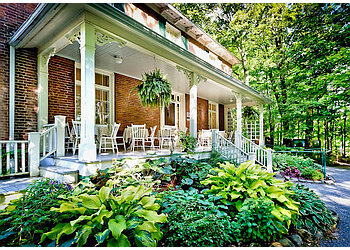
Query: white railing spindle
pixel 8 153
pixel 23 149
pixel 15 148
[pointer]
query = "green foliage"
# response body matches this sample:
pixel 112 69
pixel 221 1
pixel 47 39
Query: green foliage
pixel 235 185
pixel 103 219
pixel 306 166
pixel 188 142
pixel 256 223
pixel 312 173
pixel 314 216
pixel 154 90
pixel 25 219
pixel 194 220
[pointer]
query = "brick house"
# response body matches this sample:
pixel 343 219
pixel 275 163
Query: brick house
pixel 64 59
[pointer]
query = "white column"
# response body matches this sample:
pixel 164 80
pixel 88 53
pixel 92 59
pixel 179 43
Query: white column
pixel 214 139
pixel 43 76
pixel 34 153
pixel 87 146
pixel 239 111
pixel 12 94
pixel 261 125
pixel 269 161
pixel 60 122
pixel 193 105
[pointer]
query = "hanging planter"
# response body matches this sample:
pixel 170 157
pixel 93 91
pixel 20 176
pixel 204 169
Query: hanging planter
pixel 154 90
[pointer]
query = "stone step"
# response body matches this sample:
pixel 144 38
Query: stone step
pixel 58 173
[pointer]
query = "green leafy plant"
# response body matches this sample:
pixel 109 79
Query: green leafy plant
pixel 314 216
pixel 195 220
pixel 256 223
pixel 188 142
pixel 312 173
pixel 102 219
pixel 235 185
pixel 24 220
pixel 154 90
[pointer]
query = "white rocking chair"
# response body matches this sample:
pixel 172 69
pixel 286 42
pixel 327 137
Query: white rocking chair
pixel 113 139
pixel 151 138
pixel 76 135
pixel 138 135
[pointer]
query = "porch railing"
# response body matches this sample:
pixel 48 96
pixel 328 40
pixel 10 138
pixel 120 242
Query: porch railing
pixel 262 156
pixel 14 157
pixel 227 149
pixel 48 141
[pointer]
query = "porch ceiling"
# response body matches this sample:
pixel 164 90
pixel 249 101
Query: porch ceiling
pixel 136 63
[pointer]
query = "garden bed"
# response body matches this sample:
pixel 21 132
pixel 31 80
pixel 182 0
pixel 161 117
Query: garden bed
pixel 176 202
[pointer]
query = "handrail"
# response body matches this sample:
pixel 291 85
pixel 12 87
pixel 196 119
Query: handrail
pixel 229 150
pixel 262 156
pixel 15 157
pixel 48 141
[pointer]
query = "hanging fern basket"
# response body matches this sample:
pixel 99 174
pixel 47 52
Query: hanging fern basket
pixel 154 90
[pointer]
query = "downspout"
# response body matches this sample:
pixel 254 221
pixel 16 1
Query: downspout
pixel 12 94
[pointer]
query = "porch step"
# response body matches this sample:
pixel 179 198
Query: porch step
pixel 64 174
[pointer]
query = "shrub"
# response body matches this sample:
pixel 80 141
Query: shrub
pixel 235 185
pixel 188 142
pixel 256 223
pixel 194 220
pixel 25 219
pixel 102 219
pixel 314 216
pixel 311 173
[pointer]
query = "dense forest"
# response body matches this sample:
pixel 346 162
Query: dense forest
pixel 296 54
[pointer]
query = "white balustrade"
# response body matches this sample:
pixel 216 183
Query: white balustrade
pixel 13 157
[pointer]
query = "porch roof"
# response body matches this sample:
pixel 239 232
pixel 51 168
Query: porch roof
pixel 52 21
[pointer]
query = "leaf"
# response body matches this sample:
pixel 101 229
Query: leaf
pixel 5 234
pixel 148 226
pixel 67 229
pixel 53 233
pixel 151 215
pixel 81 218
pixel 123 241
pixel 116 227
pixel 144 239
pixel 83 235
pixel 102 236
pixel 239 205
pixel 103 213
pixel 90 201
pixel 69 207
pixel 104 193
pixel 112 243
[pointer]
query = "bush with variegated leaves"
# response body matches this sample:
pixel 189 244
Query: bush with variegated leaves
pixel 236 184
pixel 102 219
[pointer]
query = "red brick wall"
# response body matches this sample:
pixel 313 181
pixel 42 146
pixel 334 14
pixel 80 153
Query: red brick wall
pixel 202 113
pixel 26 97
pixel 12 15
pixel 61 88
pixel 128 107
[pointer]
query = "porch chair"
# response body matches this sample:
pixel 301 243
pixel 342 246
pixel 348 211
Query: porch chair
pixel 205 139
pixel 68 138
pixel 112 138
pixel 138 135
pixel 76 134
pixel 151 138
pixel 165 134
pixel 230 136
pixel 120 143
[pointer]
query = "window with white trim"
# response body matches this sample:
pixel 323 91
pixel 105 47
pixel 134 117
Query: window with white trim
pixel 213 115
pixel 172 113
pixel 103 97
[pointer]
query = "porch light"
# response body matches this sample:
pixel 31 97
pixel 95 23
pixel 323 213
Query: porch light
pixel 118 59
pixel 231 99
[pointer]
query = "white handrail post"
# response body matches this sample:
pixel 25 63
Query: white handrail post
pixel 60 123
pixel 34 153
pixel 238 139
pixel 214 139
pixel 269 160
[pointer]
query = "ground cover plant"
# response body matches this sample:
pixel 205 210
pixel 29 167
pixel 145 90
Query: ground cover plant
pixel 25 219
pixel 297 166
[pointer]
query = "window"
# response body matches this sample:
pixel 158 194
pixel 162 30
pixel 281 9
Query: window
pixel 172 113
pixel 103 97
pixel 213 115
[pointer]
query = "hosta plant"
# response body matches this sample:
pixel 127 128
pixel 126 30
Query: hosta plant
pixel 236 184
pixel 314 215
pixel 103 219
